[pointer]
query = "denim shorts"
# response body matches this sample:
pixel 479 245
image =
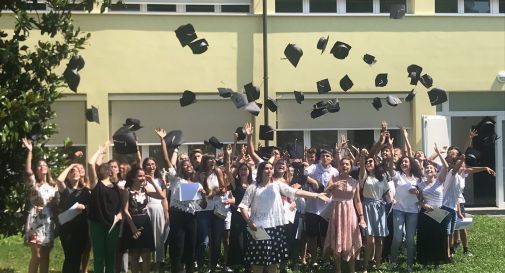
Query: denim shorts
pixel 452 220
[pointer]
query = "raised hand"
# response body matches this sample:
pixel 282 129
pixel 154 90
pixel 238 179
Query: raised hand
pixel 364 152
pixel 27 143
pixel 384 126
pixel 228 149
pixel 161 132
pixel 472 133
pixel 248 129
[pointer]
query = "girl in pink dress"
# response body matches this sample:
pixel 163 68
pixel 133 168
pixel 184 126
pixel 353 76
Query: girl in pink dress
pixel 343 239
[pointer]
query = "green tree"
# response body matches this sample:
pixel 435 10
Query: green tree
pixel 32 54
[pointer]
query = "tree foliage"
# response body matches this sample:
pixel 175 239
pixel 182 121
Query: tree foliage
pixel 32 53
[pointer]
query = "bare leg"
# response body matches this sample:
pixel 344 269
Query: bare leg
pixel 369 251
pixel 146 261
pixel 338 263
pixel 85 258
pixel 226 246
pixel 352 269
pixel 464 238
pixel 35 259
pixel 44 259
pixel 379 241
pixel 303 250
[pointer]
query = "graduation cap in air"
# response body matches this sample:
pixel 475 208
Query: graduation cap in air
pixel 293 151
pixel 472 157
pixel 188 98
pixel 340 50
pixel 266 132
pixel 377 104
pixel 35 131
pixel 92 114
pixel 426 80
pixel 239 99
pixel 299 96
pixel 397 11
pixel 381 80
pixel 322 43
pixel 486 134
pixel 410 96
pixel 240 131
pixel 369 59
pixel 393 100
pixel 266 152
pixel 320 105
pixel 253 107
pixel 414 73
pixel 333 106
pixel 346 83
pixel 224 92
pixel 133 124
pixel 72 78
pixel 323 86
pixel 252 92
pixel 437 96
pixel 125 141
pixel 174 139
pixel 271 104
pixel 214 142
pixel 76 62
pixel 199 46
pixel 318 112
pixel 185 34
pixel 293 53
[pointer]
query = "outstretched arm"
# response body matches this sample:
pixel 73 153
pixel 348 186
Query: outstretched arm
pixel 445 166
pixel 408 148
pixel 29 155
pixel 250 146
pixel 102 150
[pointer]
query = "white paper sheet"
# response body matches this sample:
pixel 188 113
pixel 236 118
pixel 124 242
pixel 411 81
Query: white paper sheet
pixel 463 223
pixel 259 234
pixel 116 221
pixel 437 214
pixel 189 191
pixel 69 214
pixel 288 213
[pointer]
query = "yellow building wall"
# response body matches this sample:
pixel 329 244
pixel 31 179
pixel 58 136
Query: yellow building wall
pixel 138 54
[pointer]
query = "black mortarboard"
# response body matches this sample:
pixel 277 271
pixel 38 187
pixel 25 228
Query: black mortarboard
pixel 437 96
pixel 340 50
pixel 271 104
pixel 186 34
pixel 35 132
pixel 252 92
pixel 266 132
pixel 174 139
pixel 318 112
pixel 224 92
pixel 76 62
pixel 377 104
pixel 124 141
pixel 239 99
pixel 426 80
pixel 72 78
pixel 393 100
pixel 472 157
pixel 188 98
pixel 299 96
pixel 381 80
pixel 266 152
pixel 397 11
pixel 293 53
pixel 323 86
pixel 486 132
pixel 253 108
pixel 214 142
pixel 92 114
pixel 346 83
pixel 199 46
pixel 133 124
pixel 414 73
pixel 293 151
pixel 322 43
pixel 333 106
pixel 240 131
pixel 369 59
pixel 410 96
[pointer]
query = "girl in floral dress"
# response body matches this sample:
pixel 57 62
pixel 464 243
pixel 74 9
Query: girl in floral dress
pixel 41 223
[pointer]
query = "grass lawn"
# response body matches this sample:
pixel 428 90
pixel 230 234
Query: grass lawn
pixel 487 243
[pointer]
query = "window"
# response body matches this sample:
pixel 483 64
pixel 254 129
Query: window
pixel 361 138
pixel 477 6
pixel 324 139
pixel 289 6
pixel 124 7
pixel 323 6
pixel 294 138
pixel 199 8
pixel 501 4
pixel 160 8
pixel 359 6
pixel 235 8
pixel 446 6
pixel 386 4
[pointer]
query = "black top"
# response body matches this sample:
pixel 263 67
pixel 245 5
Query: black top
pixel 105 203
pixel 238 193
pixel 71 196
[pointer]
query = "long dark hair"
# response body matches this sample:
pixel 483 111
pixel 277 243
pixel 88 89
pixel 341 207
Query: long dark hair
pixel 249 176
pixel 183 174
pixel 378 170
pixel 157 173
pixel 132 175
pixel 260 170
pixel 415 169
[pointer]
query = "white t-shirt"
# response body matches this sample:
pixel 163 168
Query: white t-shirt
pixel 373 188
pixel 323 176
pixel 452 189
pixel 186 206
pixel 405 201
pixel 265 203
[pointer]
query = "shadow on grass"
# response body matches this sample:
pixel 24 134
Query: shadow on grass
pixel 7 270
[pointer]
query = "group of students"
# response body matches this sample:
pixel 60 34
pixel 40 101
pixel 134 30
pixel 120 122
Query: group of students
pixel 338 200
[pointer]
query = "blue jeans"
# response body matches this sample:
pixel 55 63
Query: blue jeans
pixel 210 232
pixel 408 221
